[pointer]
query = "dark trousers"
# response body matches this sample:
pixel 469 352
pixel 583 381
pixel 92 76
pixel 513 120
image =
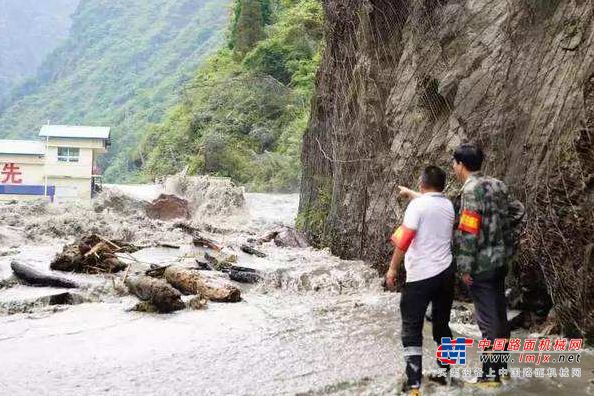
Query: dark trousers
pixel 416 296
pixel 488 294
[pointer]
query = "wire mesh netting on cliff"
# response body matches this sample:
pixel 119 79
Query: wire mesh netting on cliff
pixel 404 82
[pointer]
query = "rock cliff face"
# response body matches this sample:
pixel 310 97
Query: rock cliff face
pixel 403 82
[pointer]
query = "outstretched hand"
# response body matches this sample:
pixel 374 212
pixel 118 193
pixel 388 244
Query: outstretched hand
pixel 467 279
pixel 406 192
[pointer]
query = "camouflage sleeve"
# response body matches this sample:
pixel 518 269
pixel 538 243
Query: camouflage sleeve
pixel 468 231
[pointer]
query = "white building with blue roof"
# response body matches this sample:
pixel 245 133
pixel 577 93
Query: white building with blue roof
pixel 59 166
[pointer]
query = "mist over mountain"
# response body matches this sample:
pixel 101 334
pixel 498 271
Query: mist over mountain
pixel 122 65
pixel 29 31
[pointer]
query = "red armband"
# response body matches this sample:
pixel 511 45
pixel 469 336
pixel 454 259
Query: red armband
pixel 403 237
pixel 470 222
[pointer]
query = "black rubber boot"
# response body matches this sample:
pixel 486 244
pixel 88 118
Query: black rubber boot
pixel 414 369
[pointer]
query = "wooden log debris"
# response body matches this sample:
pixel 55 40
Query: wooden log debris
pixel 168 245
pixel 203 265
pixel 205 242
pixel 36 278
pixel 220 261
pixel 156 271
pixel 206 284
pixel 197 239
pixel 238 268
pixel 251 250
pixel 244 277
pixel 243 274
pixel 92 254
pixel 156 292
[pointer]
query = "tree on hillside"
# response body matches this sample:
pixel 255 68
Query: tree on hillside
pixel 250 26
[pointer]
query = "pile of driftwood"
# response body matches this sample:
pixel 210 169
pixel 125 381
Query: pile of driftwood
pixel 160 289
pixel 93 254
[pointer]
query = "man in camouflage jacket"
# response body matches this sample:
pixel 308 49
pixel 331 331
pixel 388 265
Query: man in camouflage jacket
pixel 485 240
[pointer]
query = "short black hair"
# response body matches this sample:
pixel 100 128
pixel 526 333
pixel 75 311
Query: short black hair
pixel 470 155
pixel 434 177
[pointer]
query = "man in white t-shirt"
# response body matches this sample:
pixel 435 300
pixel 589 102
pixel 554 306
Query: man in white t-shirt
pixel 424 242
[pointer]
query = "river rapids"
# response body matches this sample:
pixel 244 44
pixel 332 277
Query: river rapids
pixel 316 325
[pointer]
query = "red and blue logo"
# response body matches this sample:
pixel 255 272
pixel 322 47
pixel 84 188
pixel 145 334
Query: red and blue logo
pixel 453 351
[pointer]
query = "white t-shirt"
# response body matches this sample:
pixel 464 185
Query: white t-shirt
pixel 432 217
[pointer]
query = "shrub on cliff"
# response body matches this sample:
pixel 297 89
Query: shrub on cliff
pixel 253 105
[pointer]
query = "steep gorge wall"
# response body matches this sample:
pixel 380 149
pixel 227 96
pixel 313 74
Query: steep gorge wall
pixel 403 82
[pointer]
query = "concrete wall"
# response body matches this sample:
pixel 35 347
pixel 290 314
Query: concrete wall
pixel 97 144
pixel 68 189
pixel 31 169
pixel 80 169
pixel 71 179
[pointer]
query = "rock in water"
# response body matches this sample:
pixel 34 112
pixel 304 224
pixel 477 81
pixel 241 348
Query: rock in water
pixel 210 286
pixel 65 299
pixel 156 292
pixel 145 306
pixel 37 278
pixel 290 237
pixel 36 304
pixel 168 207
pixel 197 303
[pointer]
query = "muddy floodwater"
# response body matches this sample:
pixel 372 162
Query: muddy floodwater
pixel 317 325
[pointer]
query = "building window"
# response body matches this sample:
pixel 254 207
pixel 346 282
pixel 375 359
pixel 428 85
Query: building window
pixel 68 154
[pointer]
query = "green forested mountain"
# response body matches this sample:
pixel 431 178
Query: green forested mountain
pixel 244 112
pixel 123 64
pixel 29 30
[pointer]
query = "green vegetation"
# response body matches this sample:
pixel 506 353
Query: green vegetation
pixel 123 65
pixel 142 67
pixel 312 218
pixel 244 113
